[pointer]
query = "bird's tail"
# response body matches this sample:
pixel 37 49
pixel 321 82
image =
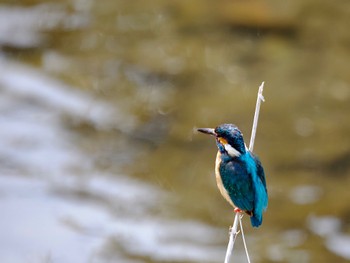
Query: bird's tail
pixel 256 219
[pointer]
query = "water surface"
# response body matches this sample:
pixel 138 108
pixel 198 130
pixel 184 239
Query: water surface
pixel 98 101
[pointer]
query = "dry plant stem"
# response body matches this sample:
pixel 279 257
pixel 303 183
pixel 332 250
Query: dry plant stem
pixel 234 230
pixel 233 235
pixel 259 99
pixel 243 237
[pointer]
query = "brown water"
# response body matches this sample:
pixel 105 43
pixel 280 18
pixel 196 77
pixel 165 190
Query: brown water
pixel 98 101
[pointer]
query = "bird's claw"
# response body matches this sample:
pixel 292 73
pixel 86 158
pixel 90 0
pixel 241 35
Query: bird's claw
pixel 237 210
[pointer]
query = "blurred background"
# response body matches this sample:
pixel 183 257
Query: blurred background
pixel 98 102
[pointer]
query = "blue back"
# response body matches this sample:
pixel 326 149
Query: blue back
pixel 244 179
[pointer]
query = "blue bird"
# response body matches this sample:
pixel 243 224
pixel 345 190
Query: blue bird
pixel 239 174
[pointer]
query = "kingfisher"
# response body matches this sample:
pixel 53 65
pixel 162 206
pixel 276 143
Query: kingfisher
pixel 239 174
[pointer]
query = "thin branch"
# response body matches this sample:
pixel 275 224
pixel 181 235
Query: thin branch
pixel 243 237
pixel 238 218
pixel 259 98
pixel 233 234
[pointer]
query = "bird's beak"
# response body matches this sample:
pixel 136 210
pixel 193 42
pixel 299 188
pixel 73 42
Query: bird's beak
pixel 209 131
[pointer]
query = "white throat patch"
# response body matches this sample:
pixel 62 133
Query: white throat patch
pixel 231 151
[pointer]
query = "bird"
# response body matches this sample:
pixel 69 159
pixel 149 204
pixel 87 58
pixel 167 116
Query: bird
pixel 239 173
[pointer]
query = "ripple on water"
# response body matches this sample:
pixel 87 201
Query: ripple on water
pixel 329 227
pixel 51 214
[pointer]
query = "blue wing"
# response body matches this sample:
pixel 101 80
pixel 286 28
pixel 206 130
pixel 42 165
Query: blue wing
pixel 238 184
pixel 261 197
pixel 244 180
pixel 260 170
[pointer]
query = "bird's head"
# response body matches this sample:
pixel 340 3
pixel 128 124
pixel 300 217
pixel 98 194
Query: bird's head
pixel 229 139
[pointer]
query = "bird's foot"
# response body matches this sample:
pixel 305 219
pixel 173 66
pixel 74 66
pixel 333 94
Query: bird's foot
pixel 237 210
